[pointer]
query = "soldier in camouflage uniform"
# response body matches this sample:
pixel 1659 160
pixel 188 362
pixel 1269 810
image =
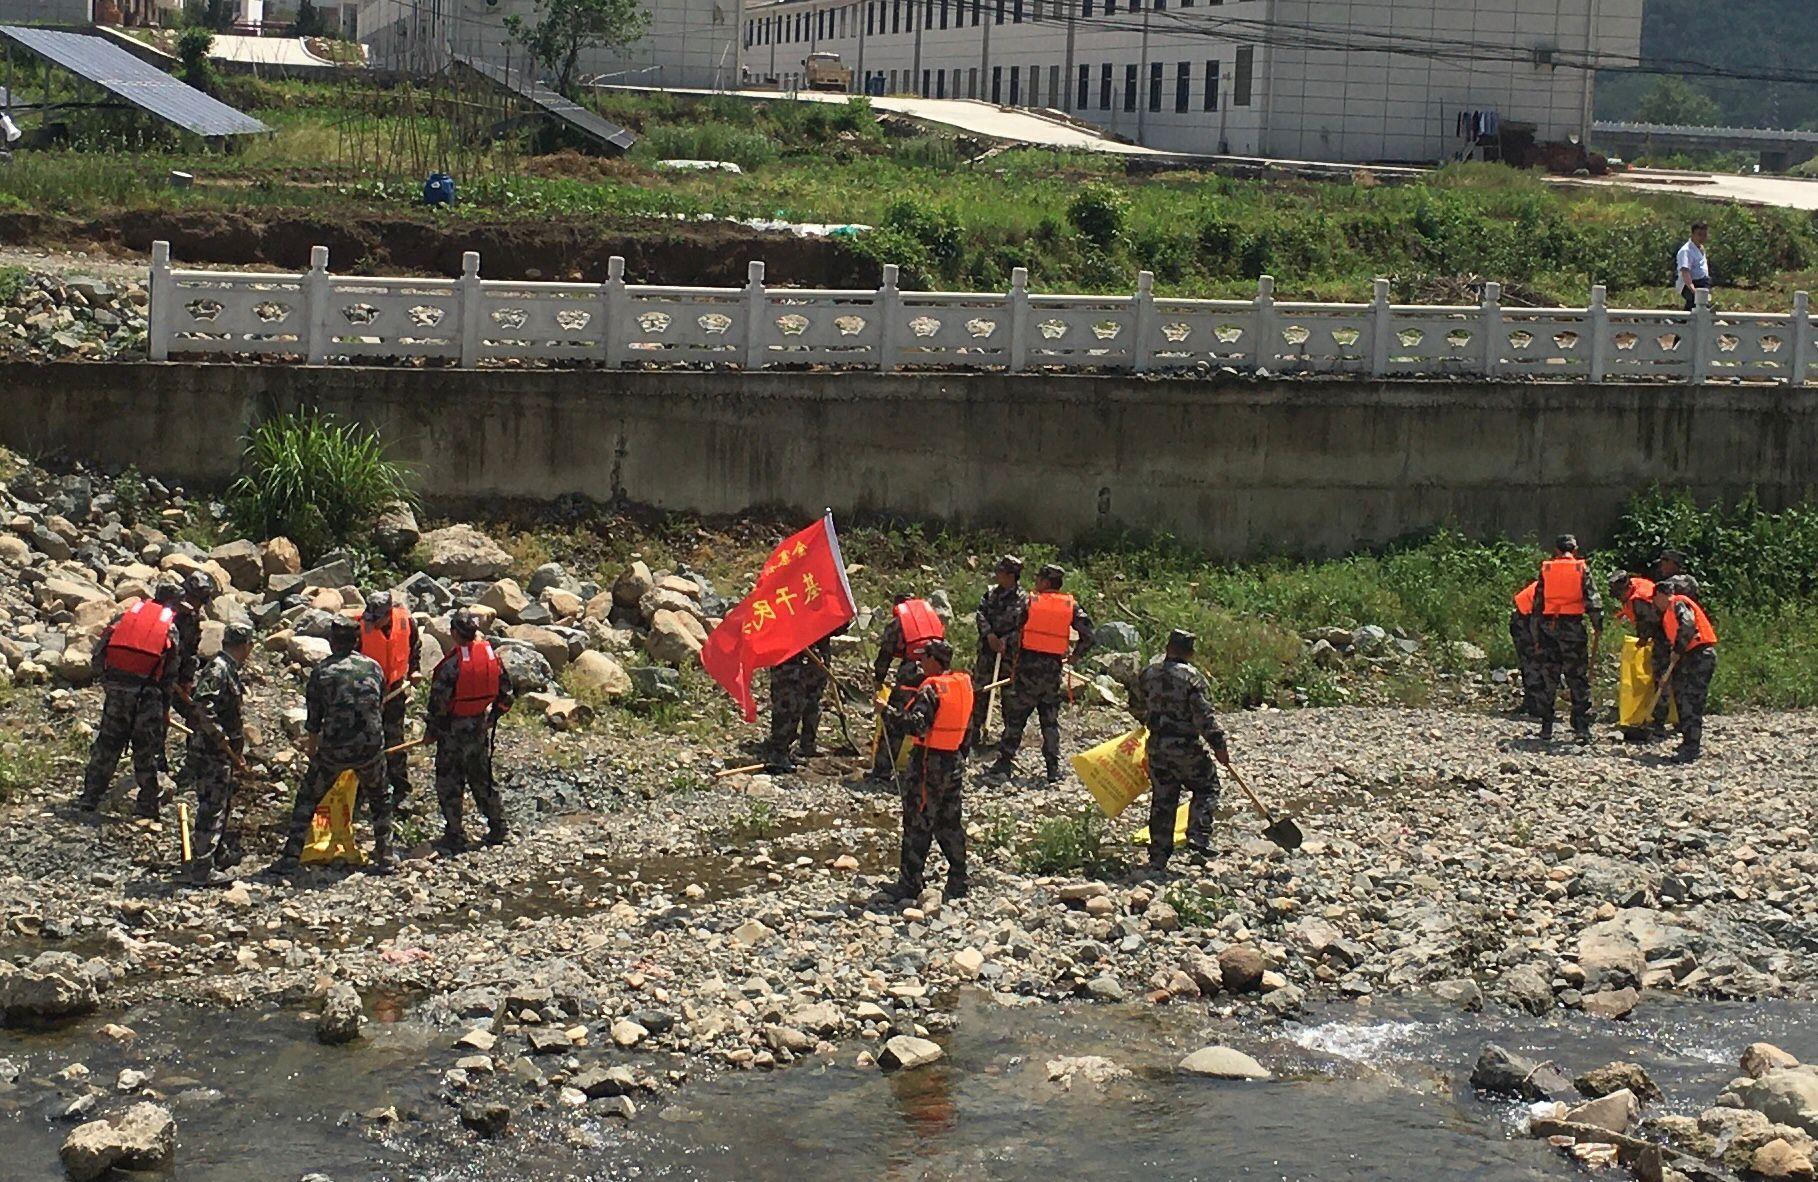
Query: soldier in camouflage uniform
pixel 199 590
pixel 1694 645
pixel 132 712
pixel 1527 658
pixel 464 745
pixel 217 744
pixel 375 616
pixel 908 675
pixel 1172 699
pixel 796 688
pixel 1038 683
pixel 1564 601
pixel 344 732
pixel 999 619
pixel 1633 598
pixel 932 810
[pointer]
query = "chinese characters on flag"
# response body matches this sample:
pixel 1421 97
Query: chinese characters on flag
pixel 801 596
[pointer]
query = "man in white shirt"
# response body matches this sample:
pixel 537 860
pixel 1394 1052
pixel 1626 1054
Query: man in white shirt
pixel 1694 270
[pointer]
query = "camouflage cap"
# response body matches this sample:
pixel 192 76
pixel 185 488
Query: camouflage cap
pixel 200 587
pixel 939 650
pixel 168 590
pixel 1010 564
pixel 343 630
pixel 378 606
pixel 463 624
pixel 1051 573
pixel 1566 543
pixel 237 635
pixel 1182 639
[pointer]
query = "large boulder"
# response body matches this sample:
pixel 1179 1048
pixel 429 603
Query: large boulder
pixel 1610 958
pixel 1501 1072
pixel 1786 1096
pixel 1241 968
pixel 329 576
pixel 906 1052
pixel 675 638
pixel 552 575
pixel 464 554
pixel 342 1016
pixel 54 986
pixel 529 671
pixel 144 1137
pixel 506 599
pixel 1223 1063
pixel 660 599
pixel 633 583
pixel 280 556
pixel 1117 637
pixel 243 563
pixel 599 674
pixel 69 591
pixel 396 533
pixel 550 644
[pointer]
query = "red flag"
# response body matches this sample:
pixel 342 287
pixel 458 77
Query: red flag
pixel 801 597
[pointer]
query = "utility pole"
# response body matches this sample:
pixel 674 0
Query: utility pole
pixel 1590 74
pixel 1142 84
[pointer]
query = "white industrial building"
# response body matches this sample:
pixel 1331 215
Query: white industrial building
pixel 1370 80
pixel 691 43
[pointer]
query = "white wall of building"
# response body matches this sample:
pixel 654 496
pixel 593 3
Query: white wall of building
pixel 46 12
pixel 691 43
pixel 1355 80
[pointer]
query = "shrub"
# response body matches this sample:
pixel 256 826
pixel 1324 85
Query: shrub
pixel 193 64
pixel 317 481
pixel 1074 844
pixel 1099 212
pixel 707 141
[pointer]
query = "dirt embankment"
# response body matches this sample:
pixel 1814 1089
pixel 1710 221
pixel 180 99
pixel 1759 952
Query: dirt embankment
pixel 712 254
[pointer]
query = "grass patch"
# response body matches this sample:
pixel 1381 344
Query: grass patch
pixel 1079 843
pixel 315 480
pixel 1197 905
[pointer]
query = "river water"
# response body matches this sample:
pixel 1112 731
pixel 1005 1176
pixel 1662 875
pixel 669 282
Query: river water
pixel 1362 1092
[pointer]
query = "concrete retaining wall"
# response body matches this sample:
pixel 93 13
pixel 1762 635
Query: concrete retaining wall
pixel 1238 467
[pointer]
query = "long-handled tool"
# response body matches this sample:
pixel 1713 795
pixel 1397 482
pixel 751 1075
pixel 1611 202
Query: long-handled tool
pixel 1280 830
pixel 413 743
pixel 1665 680
pixel 739 771
pixel 839 708
pixel 183 831
pixel 997 679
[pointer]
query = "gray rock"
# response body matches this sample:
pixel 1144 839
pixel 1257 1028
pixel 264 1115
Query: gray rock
pixel 632 585
pixel 1117 637
pixel 243 562
pixel 1787 1096
pixel 905 1052
pixel 396 533
pixel 1526 988
pixel 1223 1063
pixel 1369 640
pixel 337 574
pixel 530 672
pixel 463 553
pixel 427 594
pixel 1105 987
pixel 552 574
pixel 600 1082
pixel 1617 1112
pixel 653 683
pixel 1462 993
pixel 486 1120
pixel 1503 1073
pixel 52 987
pixel 142 1138
pixel 342 1016
pixel 1617 1077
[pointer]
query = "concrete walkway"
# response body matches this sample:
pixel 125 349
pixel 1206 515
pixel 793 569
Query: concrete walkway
pixel 1788 192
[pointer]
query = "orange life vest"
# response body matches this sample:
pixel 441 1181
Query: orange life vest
pixel 954 714
pixel 140 640
pixel 919 625
pixel 1640 590
pixel 1707 635
pixel 1562 587
pixel 1049 626
pixel 1524 599
pixel 477 682
pixel 391 651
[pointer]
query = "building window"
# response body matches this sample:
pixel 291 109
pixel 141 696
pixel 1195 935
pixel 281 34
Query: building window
pixel 1085 8
pixel 1155 86
pixel 1104 87
pixel 972 83
pixel 997 85
pixel 1111 6
pixel 940 84
pixel 896 16
pixel 1183 86
pixel 1035 86
pixel 1211 99
pixel 1016 12
pixel 1000 11
pixel 978 7
pixel 928 14
pixel 1240 85
pixel 943 14
pixel 1016 84
pixel 927 80
pixel 1055 97
pixel 870 19
pixel 1085 88
pixel 1130 88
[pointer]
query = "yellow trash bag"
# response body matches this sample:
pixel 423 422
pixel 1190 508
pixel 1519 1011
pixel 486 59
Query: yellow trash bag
pixel 1180 827
pixel 1116 771
pixel 1635 688
pixel 331 830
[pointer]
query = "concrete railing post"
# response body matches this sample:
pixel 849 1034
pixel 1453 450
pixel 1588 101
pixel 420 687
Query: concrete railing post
pixel 1142 321
pixel 472 307
pixel 316 285
pixel 615 332
pixel 161 310
pixel 1382 330
pixel 1267 345
pixel 1490 322
pixel 1802 338
pixel 1703 333
pixel 1597 324
pixel 889 312
pixel 755 329
pixel 1018 304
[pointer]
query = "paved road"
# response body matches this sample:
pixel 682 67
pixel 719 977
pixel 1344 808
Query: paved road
pixel 1790 192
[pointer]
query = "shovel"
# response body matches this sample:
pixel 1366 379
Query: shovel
pixel 1666 679
pixel 1280 830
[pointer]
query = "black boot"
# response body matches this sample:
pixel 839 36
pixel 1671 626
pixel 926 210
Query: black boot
pixel 453 841
pixel 1054 773
pixel 1546 730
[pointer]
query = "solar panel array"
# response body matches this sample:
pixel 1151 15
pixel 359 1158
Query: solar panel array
pixel 112 68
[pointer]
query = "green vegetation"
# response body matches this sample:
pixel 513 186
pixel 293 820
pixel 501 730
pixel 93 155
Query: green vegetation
pixel 1744 39
pixel 561 29
pixel 1199 905
pixel 193 65
pixel 1077 843
pixel 313 479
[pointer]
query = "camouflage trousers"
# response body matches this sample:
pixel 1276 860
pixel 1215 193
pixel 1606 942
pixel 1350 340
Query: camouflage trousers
pixel 1037 691
pixel 324 769
pixel 1527 659
pixel 908 675
pixel 397 766
pixel 1565 655
pixel 1660 657
pixel 932 813
pixel 1177 764
pixel 464 765
pixel 795 712
pixel 131 715
pixel 1691 686
pixel 214 782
